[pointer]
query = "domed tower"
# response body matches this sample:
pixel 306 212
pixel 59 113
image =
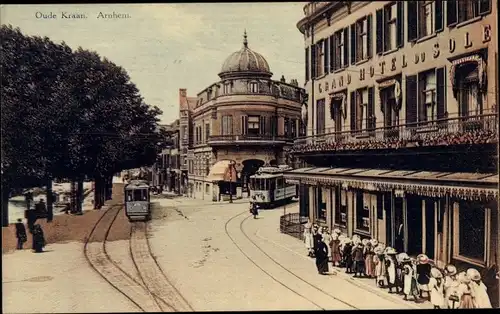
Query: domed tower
pixel 245 63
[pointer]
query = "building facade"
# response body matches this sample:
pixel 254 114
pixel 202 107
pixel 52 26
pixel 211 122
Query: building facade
pixel 402 129
pixel 236 125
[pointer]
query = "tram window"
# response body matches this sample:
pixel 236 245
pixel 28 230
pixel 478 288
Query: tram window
pixel 279 182
pixel 144 195
pixel 129 196
pixel 272 184
pixel 252 183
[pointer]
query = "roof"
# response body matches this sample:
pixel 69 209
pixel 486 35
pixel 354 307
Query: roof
pixel 222 171
pixel 135 184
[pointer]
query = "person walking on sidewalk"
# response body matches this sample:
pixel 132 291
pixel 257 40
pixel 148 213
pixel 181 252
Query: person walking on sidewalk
pixel 357 256
pixel 436 285
pixel 20 234
pixel 38 239
pixel 380 269
pixel 410 278
pixel 451 284
pixel 321 253
pixel 336 258
pixel 391 264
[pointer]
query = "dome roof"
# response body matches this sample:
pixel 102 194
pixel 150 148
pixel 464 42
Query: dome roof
pixel 245 60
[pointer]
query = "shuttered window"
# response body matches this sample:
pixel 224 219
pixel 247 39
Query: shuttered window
pixel 412 8
pixel 345 62
pixel 451 13
pixel 244 125
pixel 461 11
pixel 438 21
pixel 353 110
pixel 332 53
pixel 441 92
pixel 379 31
pixel 390 29
pixel 360 37
pixel 411 99
pixel 262 125
pixel 227 125
pixel 354 46
pixel 307 63
pixel 320 116
pixel 371 109
pixel 313 61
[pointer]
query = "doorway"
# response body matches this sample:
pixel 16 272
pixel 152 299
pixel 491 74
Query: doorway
pixel 414 220
pixel 430 231
pixel 399 227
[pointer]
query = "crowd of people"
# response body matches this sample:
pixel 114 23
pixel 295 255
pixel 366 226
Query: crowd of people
pixel 451 138
pixel 398 272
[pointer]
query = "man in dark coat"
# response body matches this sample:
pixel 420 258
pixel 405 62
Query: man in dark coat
pixel 38 239
pixel 20 234
pixel 321 254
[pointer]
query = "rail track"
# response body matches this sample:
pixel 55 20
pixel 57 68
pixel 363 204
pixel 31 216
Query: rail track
pixel 154 292
pixel 281 266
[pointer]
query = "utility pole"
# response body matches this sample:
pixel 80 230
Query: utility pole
pixel 231 163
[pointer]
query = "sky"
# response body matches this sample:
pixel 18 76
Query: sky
pixel 164 47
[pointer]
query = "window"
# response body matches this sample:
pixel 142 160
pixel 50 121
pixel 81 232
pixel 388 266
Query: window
pixel 465 10
pixel 254 87
pixel 469 95
pixel 319 58
pixel 207 188
pixel 207 131
pixel 341 209
pixel 361 112
pixel 274 125
pixel 360 39
pixel 390 108
pixel 424 18
pixel 389 30
pixel 307 63
pixel 362 108
pixel 227 88
pixel 362 212
pixel 470 223
pixel 184 132
pixel 227 125
pixel 293 123
pixel 207 166
pixel 427 96
pixel 321 204
pixel 340 47
pixel 253 125
pixel 320 116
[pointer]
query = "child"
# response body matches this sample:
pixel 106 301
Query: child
pixel 308 238
pixel 390 262
pixel 423 274
pixel 451 284
pixel 465 292
pixel 410 279
pixel 380 270
pixel 368 255
pixel 335 247
pixel 482 299
pixel 436 286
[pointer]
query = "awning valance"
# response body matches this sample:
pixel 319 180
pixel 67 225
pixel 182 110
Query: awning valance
pixel 425 183
pixel 477 59
pixel 222 171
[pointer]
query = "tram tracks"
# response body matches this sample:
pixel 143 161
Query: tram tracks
pixel 154 292
pixel 268 273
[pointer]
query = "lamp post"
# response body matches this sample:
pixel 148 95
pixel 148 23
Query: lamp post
pixel 231 165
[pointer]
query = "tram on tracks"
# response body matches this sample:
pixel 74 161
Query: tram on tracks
pixel 268 187
pixel 137 200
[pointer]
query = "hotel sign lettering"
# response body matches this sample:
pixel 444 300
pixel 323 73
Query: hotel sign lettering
pixel 386 67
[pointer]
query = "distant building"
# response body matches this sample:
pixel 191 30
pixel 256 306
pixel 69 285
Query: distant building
pixel 246 119
pixel 167 171
pixel 402 127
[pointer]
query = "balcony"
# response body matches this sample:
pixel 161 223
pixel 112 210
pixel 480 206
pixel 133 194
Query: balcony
pixel 479 129
pixel 222 140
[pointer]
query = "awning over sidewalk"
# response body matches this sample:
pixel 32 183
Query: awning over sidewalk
pixel 426 183
pixel 222 171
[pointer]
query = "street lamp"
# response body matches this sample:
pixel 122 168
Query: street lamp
pixel 231 165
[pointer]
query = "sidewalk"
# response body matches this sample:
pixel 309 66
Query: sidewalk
pixel 268 230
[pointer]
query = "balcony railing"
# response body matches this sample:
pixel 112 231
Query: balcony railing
pixel 479 129
pixel 229 139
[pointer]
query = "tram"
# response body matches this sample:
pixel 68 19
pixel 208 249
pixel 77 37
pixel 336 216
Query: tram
pixel 268 187
pixel 137 200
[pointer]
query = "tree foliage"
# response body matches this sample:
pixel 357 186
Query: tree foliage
pixel 69 114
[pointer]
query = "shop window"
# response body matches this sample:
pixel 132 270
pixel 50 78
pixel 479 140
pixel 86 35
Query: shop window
pixel 470 225
pixel 341 209
pixel 321 208
pixel 362 213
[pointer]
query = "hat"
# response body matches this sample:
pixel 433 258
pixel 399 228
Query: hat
pixel 403 257
pixel 379 250
pixel 450 270
pixel 335 237
pixel 463 278
pixel 473 274
pixel 374 242
pixel 365 241
pixel 390 251
pixel 436 273
pixel 337 231
pixel 422 259
pixel 356 238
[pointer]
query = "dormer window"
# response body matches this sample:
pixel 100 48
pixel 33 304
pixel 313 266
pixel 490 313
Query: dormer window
pixel 254 87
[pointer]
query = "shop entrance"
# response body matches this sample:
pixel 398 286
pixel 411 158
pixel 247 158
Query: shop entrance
pixel 414 220
pixel 430 231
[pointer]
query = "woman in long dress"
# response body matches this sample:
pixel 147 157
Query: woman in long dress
pixel 327 239
pixel 451 284
pixel 380 269
pixel 410 281
pixel 347 256
pixel 466 292
pixel 390 262
pixel 368 255
pixel 38 239
pixel 321 253
pixel 436 286
pixel 308 238
pixel 482 299
pixel 335 247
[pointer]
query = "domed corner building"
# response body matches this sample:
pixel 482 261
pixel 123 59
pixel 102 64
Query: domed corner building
pixel 238 124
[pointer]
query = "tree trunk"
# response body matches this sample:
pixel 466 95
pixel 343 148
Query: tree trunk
pixel 73 197
pixel 103 191
pixel 5 205
pixel 109 188
pixel 80 196
pixel 96 193
pixel 50 201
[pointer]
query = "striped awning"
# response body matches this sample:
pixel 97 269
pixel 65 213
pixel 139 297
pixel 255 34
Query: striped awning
pixel 222 171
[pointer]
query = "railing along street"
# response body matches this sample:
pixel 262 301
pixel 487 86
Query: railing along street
pixel 293 225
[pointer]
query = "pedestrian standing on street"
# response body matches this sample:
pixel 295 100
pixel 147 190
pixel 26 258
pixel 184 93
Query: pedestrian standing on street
pixel 466 292
pixel 321 253
pixel 423 274
pixel 410 279
pixel 390 262
pixel 380 268
pixel 327 239
pixel 480 291
pixel 254 210
pixel 436 285
pixel 368 256
pixel 335 249
pixel 38 239
pixel 308 238
pixel 451 284
pixel 357 256
pixel 20 234
pixel 347 256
